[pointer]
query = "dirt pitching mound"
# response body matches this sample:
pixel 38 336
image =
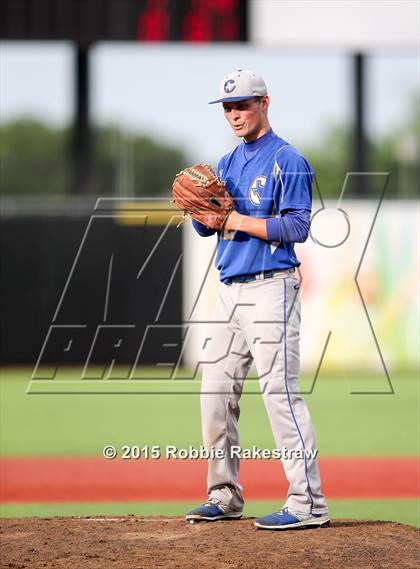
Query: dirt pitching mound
pixel 134 543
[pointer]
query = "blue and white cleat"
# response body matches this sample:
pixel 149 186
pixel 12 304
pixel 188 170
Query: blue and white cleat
pixel 212 511
pixel 284 519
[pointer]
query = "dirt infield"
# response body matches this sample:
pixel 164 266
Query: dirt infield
pixel 135 543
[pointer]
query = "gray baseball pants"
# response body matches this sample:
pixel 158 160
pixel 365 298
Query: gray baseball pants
pixel 258 321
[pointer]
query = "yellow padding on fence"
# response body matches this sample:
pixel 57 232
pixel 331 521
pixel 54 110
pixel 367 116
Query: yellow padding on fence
pixel 147 213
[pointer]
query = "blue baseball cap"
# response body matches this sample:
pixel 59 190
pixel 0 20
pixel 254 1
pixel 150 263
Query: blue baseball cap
pixel 239 86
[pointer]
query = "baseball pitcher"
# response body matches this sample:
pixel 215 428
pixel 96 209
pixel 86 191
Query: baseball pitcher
pixel 259 203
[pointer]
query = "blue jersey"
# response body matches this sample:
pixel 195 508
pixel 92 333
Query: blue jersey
pixel 266 177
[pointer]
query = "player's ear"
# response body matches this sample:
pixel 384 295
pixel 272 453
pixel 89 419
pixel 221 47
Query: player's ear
pixel 265 102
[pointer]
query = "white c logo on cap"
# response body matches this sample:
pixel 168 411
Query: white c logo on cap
pixel 229 89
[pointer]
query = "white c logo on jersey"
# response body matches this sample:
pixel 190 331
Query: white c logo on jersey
pixel 254 189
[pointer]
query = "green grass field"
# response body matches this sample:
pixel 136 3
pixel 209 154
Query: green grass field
pixel 403 511
pixel 82 424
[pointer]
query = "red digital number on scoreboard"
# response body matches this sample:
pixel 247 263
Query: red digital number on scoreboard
pixel 153 22
pixel 192 21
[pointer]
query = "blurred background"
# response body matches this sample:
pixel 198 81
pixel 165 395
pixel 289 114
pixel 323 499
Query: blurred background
pixel 101 104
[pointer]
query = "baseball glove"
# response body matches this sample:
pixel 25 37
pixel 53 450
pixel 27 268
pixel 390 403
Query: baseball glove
pixel 200 194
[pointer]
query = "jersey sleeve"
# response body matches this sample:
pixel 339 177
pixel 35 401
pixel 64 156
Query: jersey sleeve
pixel 202 230
pixel 291 226
pixel 294 177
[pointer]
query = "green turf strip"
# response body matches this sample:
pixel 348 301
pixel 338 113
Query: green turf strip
pixel 403 511
pixel 81 425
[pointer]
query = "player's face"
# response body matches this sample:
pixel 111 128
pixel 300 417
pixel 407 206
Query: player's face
pixel 248 118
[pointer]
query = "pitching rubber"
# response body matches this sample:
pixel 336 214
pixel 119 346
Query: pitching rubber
pixel 297 526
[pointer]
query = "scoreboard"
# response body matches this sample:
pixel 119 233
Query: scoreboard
pixel 87 21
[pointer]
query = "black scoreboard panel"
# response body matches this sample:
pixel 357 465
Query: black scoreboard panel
pixel 86 21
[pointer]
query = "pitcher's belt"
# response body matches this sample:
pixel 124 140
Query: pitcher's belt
pixel 258 276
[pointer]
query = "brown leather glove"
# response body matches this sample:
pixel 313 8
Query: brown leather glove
pixel 200 194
